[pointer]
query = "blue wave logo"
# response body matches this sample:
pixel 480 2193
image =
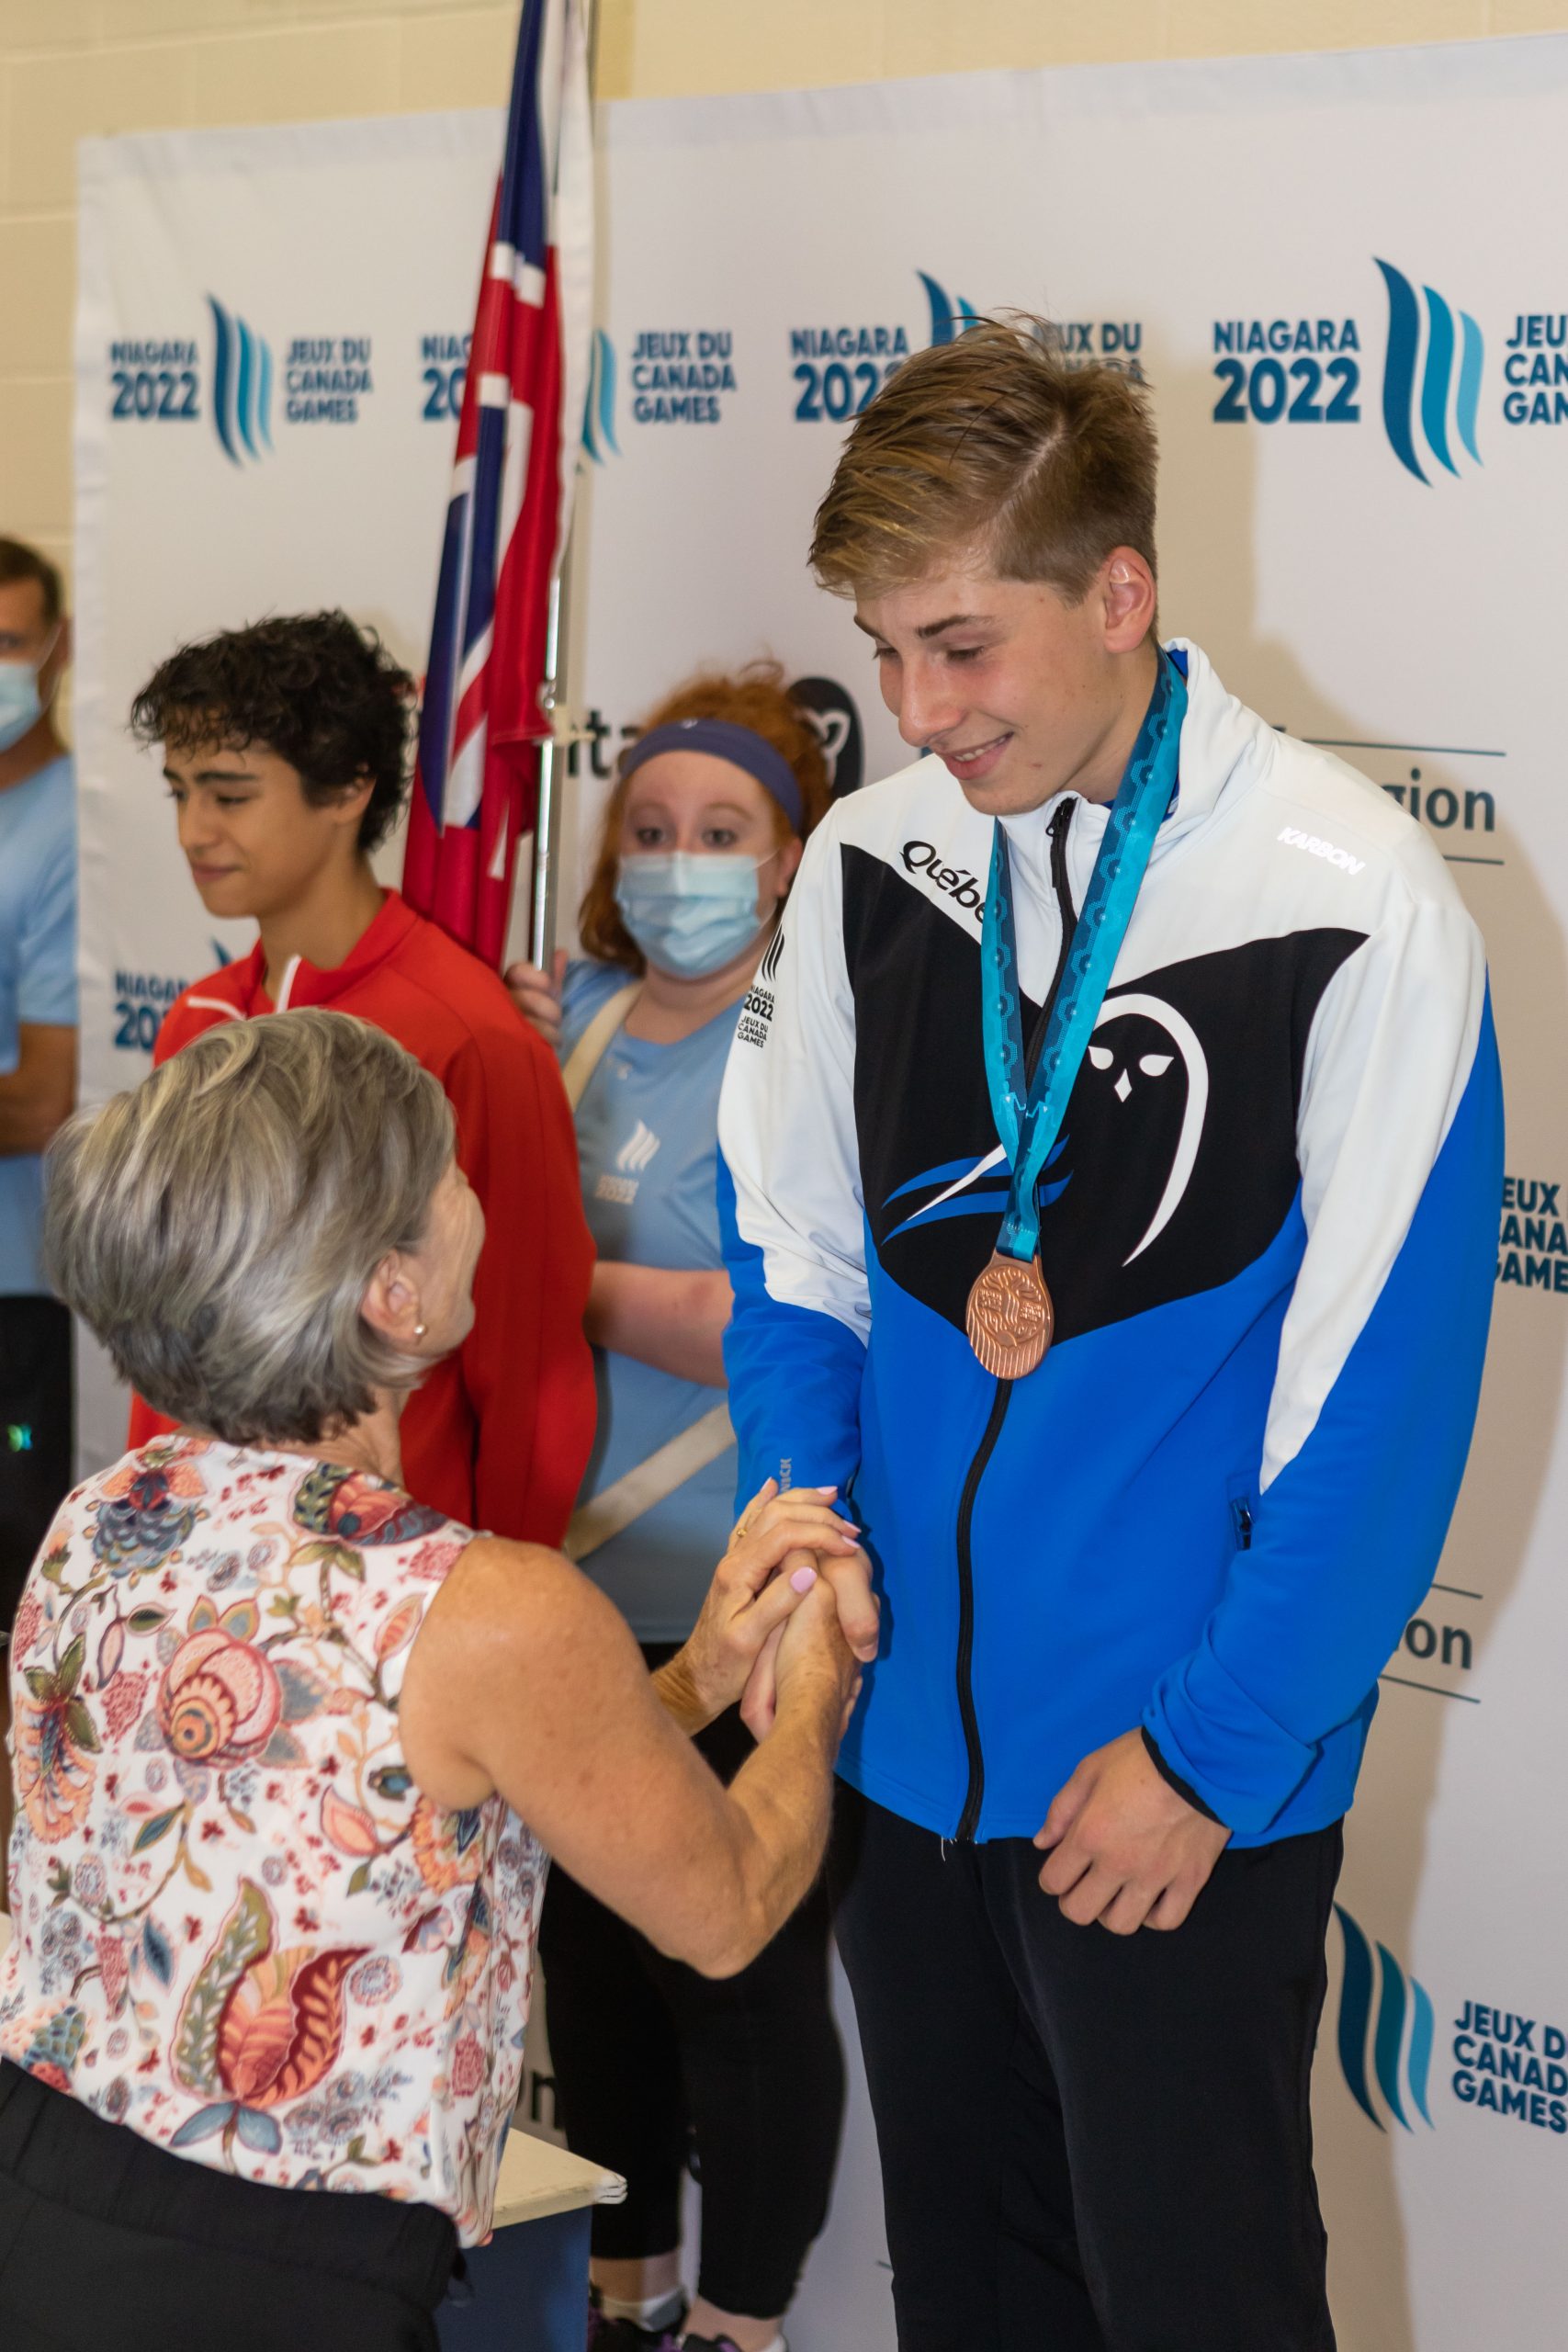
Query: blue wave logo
pixel 948 319
pixel 599 415
pixel 242 386
pixel 1444 404
pixel 1401 2039
pixel 955 1196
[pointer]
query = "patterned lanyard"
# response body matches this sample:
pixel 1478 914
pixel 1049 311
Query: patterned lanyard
pixel 1029 1115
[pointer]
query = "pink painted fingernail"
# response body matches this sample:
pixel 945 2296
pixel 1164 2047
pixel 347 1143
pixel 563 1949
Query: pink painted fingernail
pixel 803 1579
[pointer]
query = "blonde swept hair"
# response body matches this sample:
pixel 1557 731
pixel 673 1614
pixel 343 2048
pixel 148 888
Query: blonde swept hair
pixel 217 1226
pixel 990 442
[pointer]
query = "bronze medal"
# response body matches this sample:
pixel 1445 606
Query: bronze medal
pixel 1011 1318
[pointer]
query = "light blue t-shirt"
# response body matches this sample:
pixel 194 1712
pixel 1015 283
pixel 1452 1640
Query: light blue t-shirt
pixel 648 1140
pixel 38 979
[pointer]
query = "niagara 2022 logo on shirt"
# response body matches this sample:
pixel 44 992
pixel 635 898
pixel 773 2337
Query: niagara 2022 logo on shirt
pixel 757 1011
pixel 634 1158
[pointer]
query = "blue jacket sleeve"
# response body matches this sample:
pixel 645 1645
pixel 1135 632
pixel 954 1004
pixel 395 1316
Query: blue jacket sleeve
pixel 790 1210
pixel 1401 1149
pixel 795 1377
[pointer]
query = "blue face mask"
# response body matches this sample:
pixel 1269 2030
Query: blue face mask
pixel 690 915
pixel 21 705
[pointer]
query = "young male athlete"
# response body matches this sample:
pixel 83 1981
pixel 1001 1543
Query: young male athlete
pixel 1116 1157
pixel 285 747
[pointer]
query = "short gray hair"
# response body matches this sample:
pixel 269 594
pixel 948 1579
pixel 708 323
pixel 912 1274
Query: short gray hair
pixel 217 1226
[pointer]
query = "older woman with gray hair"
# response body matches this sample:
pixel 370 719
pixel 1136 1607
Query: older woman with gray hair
pixel 279 1728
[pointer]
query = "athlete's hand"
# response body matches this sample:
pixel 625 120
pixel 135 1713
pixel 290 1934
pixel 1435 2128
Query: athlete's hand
pixel 813 1662
pixel 536 994
pixel 1124 1847
pixel 859 1615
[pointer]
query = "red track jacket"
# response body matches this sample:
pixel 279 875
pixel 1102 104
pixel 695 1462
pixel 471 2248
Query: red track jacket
pixel 498 1436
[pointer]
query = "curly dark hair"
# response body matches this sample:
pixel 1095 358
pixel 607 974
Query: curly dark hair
pixel 315 687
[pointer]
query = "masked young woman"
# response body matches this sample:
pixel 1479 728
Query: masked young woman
pixel 701 838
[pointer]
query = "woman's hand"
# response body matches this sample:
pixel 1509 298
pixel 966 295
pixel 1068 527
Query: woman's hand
pixel 536 994
pixel 749 1601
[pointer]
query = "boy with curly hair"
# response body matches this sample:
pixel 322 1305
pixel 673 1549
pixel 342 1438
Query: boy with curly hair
pixel 285 748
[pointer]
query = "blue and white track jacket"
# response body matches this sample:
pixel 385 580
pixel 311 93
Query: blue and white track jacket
pixel 1269 1229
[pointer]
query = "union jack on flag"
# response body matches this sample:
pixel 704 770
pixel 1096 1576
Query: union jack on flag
pixel 480 723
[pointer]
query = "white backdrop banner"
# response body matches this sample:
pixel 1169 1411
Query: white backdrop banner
pixel 1342 278
pixel 271 335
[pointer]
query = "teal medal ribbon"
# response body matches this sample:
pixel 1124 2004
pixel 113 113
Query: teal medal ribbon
pixel 1009 1308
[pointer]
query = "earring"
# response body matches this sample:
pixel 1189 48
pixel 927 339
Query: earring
pixel 419 1331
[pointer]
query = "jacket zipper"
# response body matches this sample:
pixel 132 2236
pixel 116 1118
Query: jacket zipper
pixel 969 1819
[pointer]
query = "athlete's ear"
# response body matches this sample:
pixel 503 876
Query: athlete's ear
pixel 349 801
pixel 1127 598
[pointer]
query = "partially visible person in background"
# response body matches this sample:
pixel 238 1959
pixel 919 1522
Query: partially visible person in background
pixel 38 1063
pixel 285 748
pixel 700 842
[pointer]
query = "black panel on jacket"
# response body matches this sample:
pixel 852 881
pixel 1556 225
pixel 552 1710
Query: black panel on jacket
pixel 1208 1072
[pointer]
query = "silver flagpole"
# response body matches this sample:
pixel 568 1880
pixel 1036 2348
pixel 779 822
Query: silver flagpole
pixel 548 817
pixel 547 822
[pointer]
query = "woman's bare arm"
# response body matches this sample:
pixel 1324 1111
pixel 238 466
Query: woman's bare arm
pixel 526 1680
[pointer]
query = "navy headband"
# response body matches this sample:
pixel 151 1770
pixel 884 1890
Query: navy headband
pixel 722 740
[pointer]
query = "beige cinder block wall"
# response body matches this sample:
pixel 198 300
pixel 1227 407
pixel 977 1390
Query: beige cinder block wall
pixel 73 68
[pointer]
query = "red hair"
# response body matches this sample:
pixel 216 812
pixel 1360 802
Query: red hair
pixel 754 697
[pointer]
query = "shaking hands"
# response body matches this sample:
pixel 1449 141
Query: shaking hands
pixel 791 1597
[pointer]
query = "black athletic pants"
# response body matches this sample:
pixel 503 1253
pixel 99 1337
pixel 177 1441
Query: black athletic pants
pixel 108 2244
pixel 35 1435
pixel 1089 2142
pixel 654 2062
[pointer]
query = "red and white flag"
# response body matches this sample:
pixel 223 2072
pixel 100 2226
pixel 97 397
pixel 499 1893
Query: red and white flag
pixel 480 724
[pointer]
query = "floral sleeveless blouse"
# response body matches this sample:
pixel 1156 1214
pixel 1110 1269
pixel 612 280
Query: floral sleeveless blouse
pixel 240 1929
